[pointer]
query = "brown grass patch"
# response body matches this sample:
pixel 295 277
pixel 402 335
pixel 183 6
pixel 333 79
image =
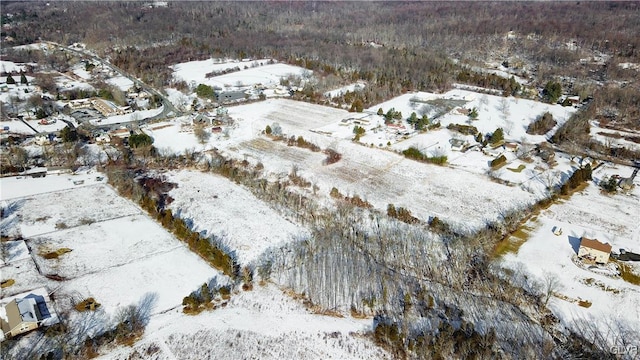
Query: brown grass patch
pixel 626 273
pixel 513 242
pixel 519 169
pixel 6 283
pixel 55 254
pixel 87 304
pixel 585 303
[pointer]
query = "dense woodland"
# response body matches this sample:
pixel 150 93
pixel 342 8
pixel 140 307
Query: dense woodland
pixel 425 284
pixel 394 46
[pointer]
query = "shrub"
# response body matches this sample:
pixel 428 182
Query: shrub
pixel 87 304
pixel 439 226
pixel 542 124
pixel 577 178
pixel 332 157
pixel 205 91
pixel 499 161
pixel 497 136
pixel 415 154
pixel 609 185
pixel 552 91
pixel 401 214
pixel 463 129
pixel 7 283
pixel 140 140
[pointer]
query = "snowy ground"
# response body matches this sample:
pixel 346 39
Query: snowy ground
pixel 218 207
pixel 615 138
pixel 258 72
pixel 511 114
pixel 343 90
pixel 11 67
pixel 425 189
pixel 196 71
pixel 611 219
pixel 173 137
pixel 120 256
pixel 260 324
pixel 121 82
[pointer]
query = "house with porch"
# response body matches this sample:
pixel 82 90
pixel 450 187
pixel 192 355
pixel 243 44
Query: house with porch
pixel 22 315
pixel 593 251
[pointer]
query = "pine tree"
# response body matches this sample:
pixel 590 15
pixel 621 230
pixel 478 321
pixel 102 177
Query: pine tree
pixel 23 79
pixel 10 80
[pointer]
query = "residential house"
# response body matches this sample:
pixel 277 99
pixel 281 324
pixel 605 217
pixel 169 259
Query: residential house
pixel 458 144
pixel 201 118
pixel 592 250
pixel 573 100
pixel 24 315
pixel 107 108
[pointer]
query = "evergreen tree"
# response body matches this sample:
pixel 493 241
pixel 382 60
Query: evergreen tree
pixel 497 136
pixel 552 91
pixel 10 80
pixel 23 79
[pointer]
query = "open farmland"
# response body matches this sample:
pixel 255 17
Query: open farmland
pixel 379 176
pixel 288 113
pixel 105 239
pixel 48 212
pixel 257 72
pixel 120 259
pixel 122 241
pixel 241 223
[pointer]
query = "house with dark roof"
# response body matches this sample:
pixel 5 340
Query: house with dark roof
pixel 24 315
pixel 592 250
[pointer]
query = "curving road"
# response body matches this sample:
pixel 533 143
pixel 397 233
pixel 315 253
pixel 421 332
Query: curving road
pixel 168 110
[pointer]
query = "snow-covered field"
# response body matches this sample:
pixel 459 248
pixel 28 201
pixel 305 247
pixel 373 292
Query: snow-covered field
pixel 11 67
pixel 511 114
pixel 467 198
pixel 196 71
pixel 119 256
pixel 425 189
pixel 24 186
pixel 172 137
pixel 589 213
pixel 260 324
pixel 615 138
pixel 121 82
pixel 218 207
pixel 117 253
pixel 259 72
pixel 343 90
